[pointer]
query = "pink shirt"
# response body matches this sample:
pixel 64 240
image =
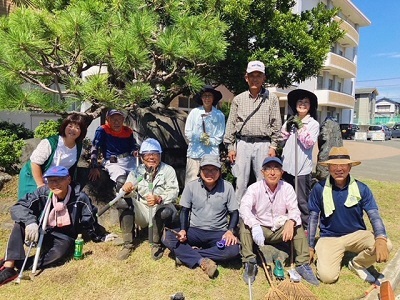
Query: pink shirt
pixel 261 206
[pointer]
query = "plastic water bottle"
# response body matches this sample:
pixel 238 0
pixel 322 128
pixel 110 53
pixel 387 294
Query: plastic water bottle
pixel 78 253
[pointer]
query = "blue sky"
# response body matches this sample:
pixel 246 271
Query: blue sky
pixel 379 49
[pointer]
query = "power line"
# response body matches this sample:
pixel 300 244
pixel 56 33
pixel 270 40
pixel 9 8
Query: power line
pixel 378 79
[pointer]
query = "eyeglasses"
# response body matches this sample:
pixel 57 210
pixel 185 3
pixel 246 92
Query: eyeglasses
pixel 338 166
pixel 55 180
pixel 269 169
pixel 150 154
pixel 207 96
pixel 211 170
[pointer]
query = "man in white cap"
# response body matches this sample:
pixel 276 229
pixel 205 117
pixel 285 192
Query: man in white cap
pixel 118 147
pixel 253 127
pixel 71 211
pixel 338 204
pixel 206 236
pixel 153 185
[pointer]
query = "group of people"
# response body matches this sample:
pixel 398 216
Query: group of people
pixel 216 223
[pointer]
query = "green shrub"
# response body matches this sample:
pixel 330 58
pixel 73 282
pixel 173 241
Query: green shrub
pixel 10 151
pixel 47 128
pixel 18 129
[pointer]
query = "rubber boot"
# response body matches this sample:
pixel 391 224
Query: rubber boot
pixel 279 272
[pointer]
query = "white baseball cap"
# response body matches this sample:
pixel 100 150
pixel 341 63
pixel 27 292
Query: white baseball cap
pixel 254 66
pixel 150 145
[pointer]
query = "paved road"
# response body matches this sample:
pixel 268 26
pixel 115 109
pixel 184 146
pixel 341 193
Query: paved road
pixel 380 160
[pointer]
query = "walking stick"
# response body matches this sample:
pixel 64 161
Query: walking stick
pixel 151 173
pixel 42 229
pixel 32 244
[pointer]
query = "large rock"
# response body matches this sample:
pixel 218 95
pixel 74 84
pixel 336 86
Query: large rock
pixel 329 136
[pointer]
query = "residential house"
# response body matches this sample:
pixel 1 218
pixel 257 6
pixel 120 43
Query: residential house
pixel 386 111
pixel 364 108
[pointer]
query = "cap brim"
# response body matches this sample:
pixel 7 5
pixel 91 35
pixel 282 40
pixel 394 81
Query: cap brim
pixel 339 162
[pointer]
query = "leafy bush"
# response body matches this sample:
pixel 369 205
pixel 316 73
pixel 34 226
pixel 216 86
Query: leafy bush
pixel 10 150
pixel 18 129
pixel 47 128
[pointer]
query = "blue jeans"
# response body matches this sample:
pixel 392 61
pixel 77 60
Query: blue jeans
pixel 205 241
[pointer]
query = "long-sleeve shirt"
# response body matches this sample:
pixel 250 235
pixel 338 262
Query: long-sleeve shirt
pixel 261 206
pixel 344 220
pixel 214 123
pixel 165 183
pixel 307 137
pixel 266 122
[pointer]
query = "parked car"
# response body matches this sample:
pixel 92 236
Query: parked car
pixel 379 128
pixel 396 130
pixel 348 131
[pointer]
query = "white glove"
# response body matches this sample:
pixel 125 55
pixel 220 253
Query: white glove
pixel 258 235
pixel 32 232
pixel 110 237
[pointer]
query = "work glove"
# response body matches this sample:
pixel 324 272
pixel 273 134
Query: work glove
pixel 293 121
pixel 32 232
pixel 205 139
pixel 381 249
pixel 258 235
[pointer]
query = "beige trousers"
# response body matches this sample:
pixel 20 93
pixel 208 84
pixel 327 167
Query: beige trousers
pixel 330 252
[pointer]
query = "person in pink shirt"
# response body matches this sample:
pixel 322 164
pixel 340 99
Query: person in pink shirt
pixel 270 215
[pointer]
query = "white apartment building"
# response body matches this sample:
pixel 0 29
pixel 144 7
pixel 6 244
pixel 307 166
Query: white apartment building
pixel 335 85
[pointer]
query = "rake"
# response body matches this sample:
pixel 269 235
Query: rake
pixel 274 293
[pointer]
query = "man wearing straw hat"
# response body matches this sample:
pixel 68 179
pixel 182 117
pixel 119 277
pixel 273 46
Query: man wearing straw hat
pixel 338 203
pixel 70 212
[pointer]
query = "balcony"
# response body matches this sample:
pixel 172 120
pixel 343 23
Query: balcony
pixel 351 37
pixel 340 66
pixel 334 98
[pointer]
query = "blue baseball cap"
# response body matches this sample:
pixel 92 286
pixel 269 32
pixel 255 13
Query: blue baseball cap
pixel 57 171
pixel 271 159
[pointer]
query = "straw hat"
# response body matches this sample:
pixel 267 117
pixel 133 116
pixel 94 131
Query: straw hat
pixel 339 156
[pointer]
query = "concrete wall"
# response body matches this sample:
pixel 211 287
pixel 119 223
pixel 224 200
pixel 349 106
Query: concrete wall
pixel 30 120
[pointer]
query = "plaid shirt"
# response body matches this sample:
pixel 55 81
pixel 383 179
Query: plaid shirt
pixel 265 122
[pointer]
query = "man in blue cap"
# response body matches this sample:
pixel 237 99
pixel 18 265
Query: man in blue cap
pixel 71 212
pixel 270 214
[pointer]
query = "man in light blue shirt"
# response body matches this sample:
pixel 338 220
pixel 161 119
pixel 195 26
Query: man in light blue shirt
pixel 204 130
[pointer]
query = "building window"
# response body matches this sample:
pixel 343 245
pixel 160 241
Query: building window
pixel 320 82
pixel 330 86
pixel 339 86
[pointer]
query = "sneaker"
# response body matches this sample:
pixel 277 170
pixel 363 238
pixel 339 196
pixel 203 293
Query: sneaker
pixel 178 262
pixel 361 272
pixel 7 275
pixel 208 266
pixel 307 274
pixel 250 271
pixel 157 251
pixel 279 272
pixel 125 252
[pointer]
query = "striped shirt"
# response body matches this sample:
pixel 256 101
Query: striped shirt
pixel 266 122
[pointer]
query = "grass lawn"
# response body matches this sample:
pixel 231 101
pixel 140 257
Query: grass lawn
pixel 101 276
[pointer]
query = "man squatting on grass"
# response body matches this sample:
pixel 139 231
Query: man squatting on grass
pixel 270 214
pixel 337 203
pixel 152 185
pixel 71 212
pixel 209 201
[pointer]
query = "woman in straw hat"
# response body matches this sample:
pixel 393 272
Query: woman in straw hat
pixel 301 119
pixel 338 204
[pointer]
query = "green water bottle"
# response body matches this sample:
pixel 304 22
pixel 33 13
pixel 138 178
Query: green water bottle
pixel 78 253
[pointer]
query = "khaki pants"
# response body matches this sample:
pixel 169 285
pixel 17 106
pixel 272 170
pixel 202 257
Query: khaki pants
pixel 330 252
pixel 192 169
pixel 300 244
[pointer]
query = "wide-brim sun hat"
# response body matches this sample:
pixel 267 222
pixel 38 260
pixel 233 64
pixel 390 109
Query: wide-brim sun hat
pixel 299 94
pixel 339 156
pixel 208 88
